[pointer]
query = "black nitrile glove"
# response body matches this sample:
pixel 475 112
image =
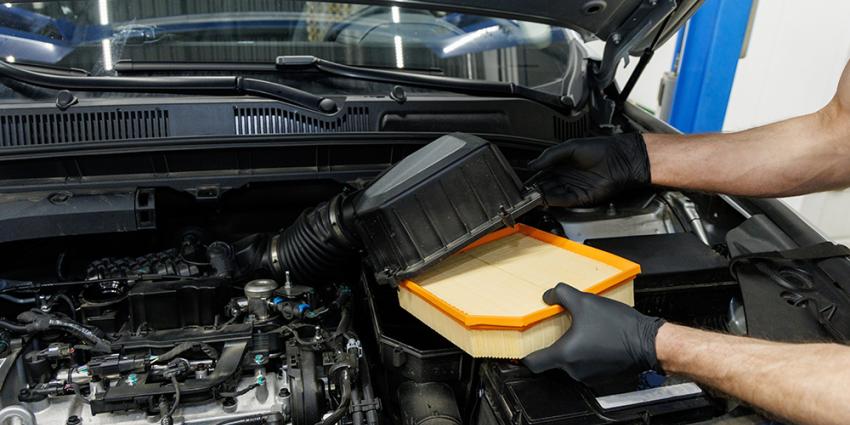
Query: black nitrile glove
pixel 606 337
pixel 588 171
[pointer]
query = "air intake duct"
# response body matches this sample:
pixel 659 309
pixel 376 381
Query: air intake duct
pixel 436 201
pixel 315 249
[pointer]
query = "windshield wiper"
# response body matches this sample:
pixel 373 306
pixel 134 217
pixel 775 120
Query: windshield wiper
pixel 459 85
pixel 437 82
pixel 225 86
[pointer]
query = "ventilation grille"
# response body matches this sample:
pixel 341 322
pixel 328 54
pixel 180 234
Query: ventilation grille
pixel 72 127
pixel 564 129
pixel 266 121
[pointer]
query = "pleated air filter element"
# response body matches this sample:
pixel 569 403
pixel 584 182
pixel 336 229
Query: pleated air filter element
pixel 487 299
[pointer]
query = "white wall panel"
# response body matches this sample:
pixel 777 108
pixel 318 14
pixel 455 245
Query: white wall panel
pixel 796 54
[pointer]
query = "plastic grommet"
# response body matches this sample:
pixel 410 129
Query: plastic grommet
pixel 593 7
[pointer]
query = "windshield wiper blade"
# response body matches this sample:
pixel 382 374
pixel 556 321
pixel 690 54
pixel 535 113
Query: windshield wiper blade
pixel 224 86
pixel 460 85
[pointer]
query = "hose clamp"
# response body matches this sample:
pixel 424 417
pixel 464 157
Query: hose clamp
pixel 274 245
pixel 335 219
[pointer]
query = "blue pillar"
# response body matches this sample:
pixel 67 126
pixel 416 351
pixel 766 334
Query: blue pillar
pixel 713 44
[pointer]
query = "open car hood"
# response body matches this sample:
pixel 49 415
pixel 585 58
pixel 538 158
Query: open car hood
pixel 627 26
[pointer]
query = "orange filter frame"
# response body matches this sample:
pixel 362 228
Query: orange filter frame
pixel 627 272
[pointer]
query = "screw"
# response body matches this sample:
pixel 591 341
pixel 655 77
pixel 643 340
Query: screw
pixel 616 38
pixel 318 336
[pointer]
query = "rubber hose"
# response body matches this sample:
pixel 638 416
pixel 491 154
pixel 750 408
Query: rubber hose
pixel 344 324
pixel 368 391
pixel 311 251
pixel 356 399
pixel 14 327
pixel 68 302
pixel 17 300
pixel 344 401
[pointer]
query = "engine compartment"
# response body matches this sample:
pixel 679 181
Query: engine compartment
pixel 192 322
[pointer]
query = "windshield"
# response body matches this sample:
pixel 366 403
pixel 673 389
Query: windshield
pixel 96 34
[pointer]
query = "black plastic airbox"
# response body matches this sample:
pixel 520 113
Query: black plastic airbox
pixel 436 201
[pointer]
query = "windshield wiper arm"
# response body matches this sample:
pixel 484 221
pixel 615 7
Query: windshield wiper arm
pixel 225 85
pixel 460 85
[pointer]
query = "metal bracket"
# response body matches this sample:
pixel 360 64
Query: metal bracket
pixel 643 20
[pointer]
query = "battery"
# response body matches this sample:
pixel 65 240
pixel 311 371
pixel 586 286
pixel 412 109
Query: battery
pixel 514 396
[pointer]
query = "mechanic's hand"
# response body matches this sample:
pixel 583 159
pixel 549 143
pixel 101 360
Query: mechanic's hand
pixel 588 171
pixel 606 337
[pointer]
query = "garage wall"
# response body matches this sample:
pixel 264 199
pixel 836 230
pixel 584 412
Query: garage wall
pixel 795 55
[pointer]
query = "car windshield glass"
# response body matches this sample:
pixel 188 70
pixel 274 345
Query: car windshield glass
pixel 95 34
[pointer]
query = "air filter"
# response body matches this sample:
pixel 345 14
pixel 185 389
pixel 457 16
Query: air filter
pixel 487 298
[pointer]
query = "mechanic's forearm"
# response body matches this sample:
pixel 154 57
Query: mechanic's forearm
pixel 803 383
pixel 801 155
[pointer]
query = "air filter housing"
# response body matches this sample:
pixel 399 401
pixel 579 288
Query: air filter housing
pixel 435 202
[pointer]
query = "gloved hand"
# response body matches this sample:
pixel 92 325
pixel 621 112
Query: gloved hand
pixel 606 337
pixel 588 171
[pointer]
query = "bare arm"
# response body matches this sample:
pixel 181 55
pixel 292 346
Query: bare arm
pixel 801 155
pixel 803 383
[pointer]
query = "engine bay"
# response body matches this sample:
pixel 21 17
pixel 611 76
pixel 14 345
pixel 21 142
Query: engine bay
pixel 267 306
